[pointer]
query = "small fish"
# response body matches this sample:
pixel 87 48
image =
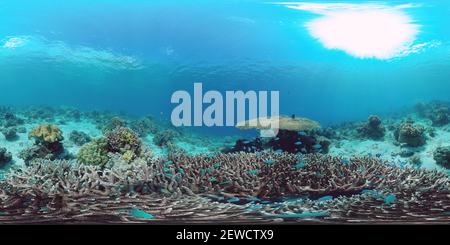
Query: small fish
pixel 298 143
pixel 303 149
pixel 225 182
pixel 169 162
pixel 253 199
pixel 277 138
pixel 181 170
pixel 249 149
pixel 265 201
pixel 167 169
pixel 217 165
pixel 320 150
pixel 370 154
pixel 279 150
pixel 246 142
pixel 190 154
pixel 209 156
pixel 269 162
pixel 168 175
pixel 367 191
pixel 210 170
pixel 381 176
pixel 253 147
pixel 389 199
pixel 253 171
pixel 255 207
pixel 324 198
pixel 203 171
pixel 362 168
pixel 160 145
pixel 141 214
pixel 302 133
pixel 345 161
pixel 300 165
pixel 212 179
pixel 33 180
pixel 317 146
pixel 233 200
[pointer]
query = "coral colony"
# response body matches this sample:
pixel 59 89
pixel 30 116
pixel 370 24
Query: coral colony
pixel 119 168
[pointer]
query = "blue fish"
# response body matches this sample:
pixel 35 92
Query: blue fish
pixel 279 150
pixel 389 199
pixel 140 214
pixel 345 161
pixel 303 149
pixel 302 133
pixel 255 207
pixel 233 200
pixel 249 149
pixel 370 154
pixel 300 165
pixel 367 191
pixel 381 176
pixel 209 156
pixel 320 150
pixel 246 142
pixel 298 143
pixel 269 162
pixel 277 138
pixel 253 171
pixel 362 168
pixel 253 147
pixel 317 146
pixel 324 198
pixel 253 199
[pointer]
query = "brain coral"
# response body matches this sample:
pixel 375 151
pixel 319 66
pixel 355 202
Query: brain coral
pixel 46 133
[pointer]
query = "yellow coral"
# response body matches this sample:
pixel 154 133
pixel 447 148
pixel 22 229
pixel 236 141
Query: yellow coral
pixel 127 137
pixel 46 132
pixel 128 156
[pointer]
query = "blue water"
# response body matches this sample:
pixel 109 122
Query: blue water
pixel 119 55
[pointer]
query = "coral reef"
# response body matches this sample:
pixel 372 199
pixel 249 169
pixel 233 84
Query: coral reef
pixel 442 155
pixel 245 146
pixel 164 136
pixel 283 122
pixel 372 129
pixel 413 135
pixel 79 137
pixel 9 133
pixel 46 133
pixel 113 124
pixel 94 153
pixel 144 126
pixel 357 189
pixel 124 139
pixel 5 157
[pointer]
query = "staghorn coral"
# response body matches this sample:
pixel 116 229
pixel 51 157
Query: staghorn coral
pixel 172 190
pixel 46 133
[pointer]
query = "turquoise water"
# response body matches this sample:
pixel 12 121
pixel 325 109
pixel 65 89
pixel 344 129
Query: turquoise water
pixel 134 56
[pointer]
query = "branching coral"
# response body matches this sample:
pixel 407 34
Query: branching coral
pixel 171 189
